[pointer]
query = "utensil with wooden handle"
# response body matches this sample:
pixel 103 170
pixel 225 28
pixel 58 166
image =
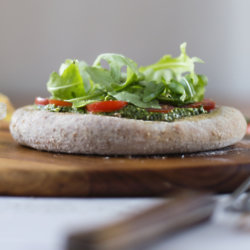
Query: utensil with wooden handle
pixel 144 228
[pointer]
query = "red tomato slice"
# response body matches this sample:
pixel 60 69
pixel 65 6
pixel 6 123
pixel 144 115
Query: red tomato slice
pixel 41 101
pixel 60 103
pixel 105 106
pixel 164 109
pixel 206 103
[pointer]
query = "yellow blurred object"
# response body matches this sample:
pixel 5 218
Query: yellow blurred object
pixel 6 111
pixel 3 110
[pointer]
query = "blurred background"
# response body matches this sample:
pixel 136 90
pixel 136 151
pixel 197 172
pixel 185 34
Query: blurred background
pixel 36 36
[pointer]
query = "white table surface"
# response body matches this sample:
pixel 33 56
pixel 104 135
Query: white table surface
pixel 44 223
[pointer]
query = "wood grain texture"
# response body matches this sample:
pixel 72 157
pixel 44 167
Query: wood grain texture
pixel 27 172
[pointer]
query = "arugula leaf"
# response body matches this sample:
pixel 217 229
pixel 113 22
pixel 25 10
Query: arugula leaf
pixel 116 63
pixel 87 83
pixel 178 65
pixel 102 77
pixel 185 91
pixel 95 95
pixel 79 103
pixel 65 65
pixel 182 84
pixel 161 75
pixel 135 99
pixel 68 85
pixel 198 86
pixel 152 90
pixel 171 80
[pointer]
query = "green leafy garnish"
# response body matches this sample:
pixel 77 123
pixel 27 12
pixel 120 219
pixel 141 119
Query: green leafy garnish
pixel 170 80
pixel 67 85
pixel 182 84
pixel 116 62
pixel 177 66
pixel 135 99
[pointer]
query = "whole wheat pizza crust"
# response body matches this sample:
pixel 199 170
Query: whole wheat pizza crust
pixel 106 135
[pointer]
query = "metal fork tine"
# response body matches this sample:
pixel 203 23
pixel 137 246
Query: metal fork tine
pixel 241 189
pixel 236 204
pixel 246 203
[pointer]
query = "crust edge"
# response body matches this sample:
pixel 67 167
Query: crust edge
pixel 104 135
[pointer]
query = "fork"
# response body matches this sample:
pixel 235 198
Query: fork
pixel 145 228
pixel 239 201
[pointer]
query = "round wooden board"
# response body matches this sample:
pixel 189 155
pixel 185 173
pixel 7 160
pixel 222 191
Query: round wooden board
pixel 28 172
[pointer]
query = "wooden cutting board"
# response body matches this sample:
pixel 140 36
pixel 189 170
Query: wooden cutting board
pixel 28 172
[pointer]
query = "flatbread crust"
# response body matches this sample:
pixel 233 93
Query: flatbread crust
pixel 106 135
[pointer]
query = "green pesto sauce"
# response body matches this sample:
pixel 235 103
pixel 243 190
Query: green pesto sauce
pixel 132 112
pixel 54 108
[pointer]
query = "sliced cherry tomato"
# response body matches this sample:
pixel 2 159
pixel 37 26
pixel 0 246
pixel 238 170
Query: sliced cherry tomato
pixel 206 103
pixel 41 101
pixel 164 109
pixel 60 103
pixel 105 106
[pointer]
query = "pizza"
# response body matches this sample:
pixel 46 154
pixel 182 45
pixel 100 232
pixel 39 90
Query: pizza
pixel 124 109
